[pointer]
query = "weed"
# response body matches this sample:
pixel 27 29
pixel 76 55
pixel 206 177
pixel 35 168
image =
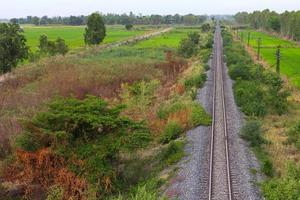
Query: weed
pixel 171 132
pixel 252 133
pixel 172 153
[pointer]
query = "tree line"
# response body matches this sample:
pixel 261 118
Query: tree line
pixel 111 19
pixel 287 24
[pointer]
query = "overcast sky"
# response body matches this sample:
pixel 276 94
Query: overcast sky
pixel 22 8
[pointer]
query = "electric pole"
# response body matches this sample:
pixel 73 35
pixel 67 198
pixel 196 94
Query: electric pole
pixel 278 60
pixel 258 47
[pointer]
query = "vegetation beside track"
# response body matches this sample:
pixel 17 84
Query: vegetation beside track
pixel 110 121
pixel 290 53
pixel 271 130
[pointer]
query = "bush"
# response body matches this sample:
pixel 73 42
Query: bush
pixel 187 48
pixel 210 42
pixel 172 153
pixel 128 26
pixel 277 95
pixel 294 135
pixel 239 71
pixel 195 81
pixel 194 37
pixel 199 115
pixel 267 167
pixel 55 193
pixel 284 188
pixel 88 130
pixel 251 132
pixel 250 97
pixel 194 113
pixel 171 132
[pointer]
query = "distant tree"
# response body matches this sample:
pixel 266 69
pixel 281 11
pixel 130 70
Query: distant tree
pixel 14 21
pixel 205 27
pixel 13 47
pixel 95 31
pixel 128 26
pixel 43 46
pixel 36 21
pixel 52 48
pixel 61 47
pixel 44 20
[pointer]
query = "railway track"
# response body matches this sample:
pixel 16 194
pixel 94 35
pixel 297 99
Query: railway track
pixel 219 164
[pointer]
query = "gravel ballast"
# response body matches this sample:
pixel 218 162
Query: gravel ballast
pixel 191 180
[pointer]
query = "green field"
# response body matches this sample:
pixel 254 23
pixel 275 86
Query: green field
pixel 170 40
pixel 290 53
pixel 74 34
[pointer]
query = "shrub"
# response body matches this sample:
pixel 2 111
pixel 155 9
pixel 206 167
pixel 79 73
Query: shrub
pixel 187 48
pixel 210 42
pixel 171 132
pixel 172 153
pixel 206 66
pixel 239 71
pixel 205 27
pixel 194 37
pixel 55 193
pixel 194 113
pixel 294 135
pixel 128 26
pixel 251 132
pixel 277 95
pixel 199 115
pixel 195 81
pixel 250 97
pixel 88 130
pixel 267 167
pixel 283 188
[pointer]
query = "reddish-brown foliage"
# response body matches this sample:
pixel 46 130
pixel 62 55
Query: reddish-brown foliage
pixel 173 65
pixel 46 169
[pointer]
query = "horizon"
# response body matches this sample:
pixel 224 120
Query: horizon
pixel 206 7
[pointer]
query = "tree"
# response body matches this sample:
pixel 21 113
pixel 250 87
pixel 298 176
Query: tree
pixel 61 47
pixel 187 48
pixel 95 31
pixel 128 26
pixel 194 37
pixel 43 44
pixel 13 47
pixel 205 27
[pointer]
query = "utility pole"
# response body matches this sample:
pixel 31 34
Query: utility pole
pixel 258 47
pixel 248 39
pixel 278 60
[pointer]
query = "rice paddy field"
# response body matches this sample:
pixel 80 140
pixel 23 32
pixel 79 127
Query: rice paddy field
pixel 290 53
pixel 73 35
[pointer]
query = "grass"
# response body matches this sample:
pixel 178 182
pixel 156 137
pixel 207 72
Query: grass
pixel 281 133
pixel 74 34
pixel 169 40
pixel 290 54
pixel 140 76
